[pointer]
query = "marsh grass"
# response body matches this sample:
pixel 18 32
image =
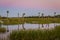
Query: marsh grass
pixel 31 20
pixel 53 34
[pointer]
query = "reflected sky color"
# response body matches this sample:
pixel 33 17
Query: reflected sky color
pixel 30 7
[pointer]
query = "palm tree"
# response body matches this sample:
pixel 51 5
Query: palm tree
pixel 54 14
pixel 7 20
pixel 23 21
pixel 48 21
pixel 43 18
pixel 18 21
pixel 54 18
pixel 39 18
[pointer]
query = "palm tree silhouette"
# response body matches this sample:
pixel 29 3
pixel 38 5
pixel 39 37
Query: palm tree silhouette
pixel 39 17
pixel 23 21
pixel 43 18
pixel 54 18
pixel 54 14
pixel 18 21
pixel 48 21
pixel 7 20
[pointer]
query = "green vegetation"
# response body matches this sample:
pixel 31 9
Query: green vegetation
pixel 53 34
pixel 30 20
pixel 2 29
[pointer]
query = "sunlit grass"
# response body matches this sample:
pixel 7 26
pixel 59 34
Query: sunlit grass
pixel 31 20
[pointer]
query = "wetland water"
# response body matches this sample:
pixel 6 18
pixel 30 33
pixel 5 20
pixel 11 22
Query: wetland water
pixel 26 26
pixel 31 26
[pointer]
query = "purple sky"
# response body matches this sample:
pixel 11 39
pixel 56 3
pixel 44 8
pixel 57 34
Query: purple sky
pixel 30 7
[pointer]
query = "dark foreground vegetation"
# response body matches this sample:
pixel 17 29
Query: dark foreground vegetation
pixel 53 34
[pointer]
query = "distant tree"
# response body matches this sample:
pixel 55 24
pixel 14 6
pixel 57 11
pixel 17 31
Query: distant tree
pixel 58 16
pixel 23 14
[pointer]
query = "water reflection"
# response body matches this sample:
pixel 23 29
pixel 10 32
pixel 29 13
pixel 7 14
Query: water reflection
pixel 30 26
pixel 27 26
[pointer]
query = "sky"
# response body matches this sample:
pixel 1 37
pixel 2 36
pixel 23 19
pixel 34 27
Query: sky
pixel 30 7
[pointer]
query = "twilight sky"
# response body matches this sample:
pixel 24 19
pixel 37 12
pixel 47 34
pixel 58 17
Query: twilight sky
pixel 30 7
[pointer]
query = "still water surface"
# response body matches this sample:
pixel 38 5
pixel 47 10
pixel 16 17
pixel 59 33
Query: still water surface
pixel 27 26
pixel 31 26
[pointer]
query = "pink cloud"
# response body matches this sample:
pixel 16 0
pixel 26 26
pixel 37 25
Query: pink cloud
pixel 31 3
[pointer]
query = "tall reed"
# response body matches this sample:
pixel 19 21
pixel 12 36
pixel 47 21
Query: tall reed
pixel 53 34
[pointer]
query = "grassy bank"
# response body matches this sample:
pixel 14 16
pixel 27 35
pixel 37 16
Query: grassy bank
pixel 53 34
pixel 30 20
pixel 2 29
